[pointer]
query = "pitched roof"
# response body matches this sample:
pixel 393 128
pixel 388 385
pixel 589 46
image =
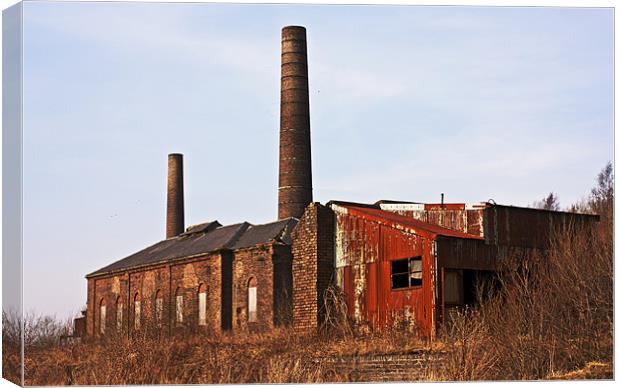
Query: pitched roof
pixel 404 221
pixel 205 238
pixel 259 234
pixel 204 227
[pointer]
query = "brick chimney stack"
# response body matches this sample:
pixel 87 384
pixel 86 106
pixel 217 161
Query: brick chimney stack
pixel 175 213
pixel 295 178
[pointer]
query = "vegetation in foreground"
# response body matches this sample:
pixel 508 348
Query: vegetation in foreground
pixel 551 318
pixel 278 357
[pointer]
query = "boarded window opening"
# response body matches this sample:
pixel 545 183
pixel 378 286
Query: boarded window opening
pixel 102 313
pixel 136 312
pixel 179 306
pixel 202 305
pixel 252 313
pixel 119 314
pixel 406 273
pixel 159 308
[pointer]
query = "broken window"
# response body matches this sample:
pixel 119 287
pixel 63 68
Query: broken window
pixel 252 315
pixel 179 306
pixel 202 305
pixel 406 273
pixel 102 317
pixel 119 313
pixel 159 308
pixel 136 311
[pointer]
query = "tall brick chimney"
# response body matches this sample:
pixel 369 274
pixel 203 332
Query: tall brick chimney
pixel 175 213
pixel 295 179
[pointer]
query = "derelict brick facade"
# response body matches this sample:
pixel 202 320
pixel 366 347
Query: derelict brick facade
pixel 166 281
pixel 224 277
pixel 256 264
pixel 313 252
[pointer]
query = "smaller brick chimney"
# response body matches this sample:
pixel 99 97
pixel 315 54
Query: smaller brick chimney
pixel 175 213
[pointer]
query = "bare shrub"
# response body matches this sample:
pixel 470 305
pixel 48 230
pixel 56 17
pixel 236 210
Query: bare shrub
pixel 554 311
pixel 44 330
pixel 11 346
pixel 336 320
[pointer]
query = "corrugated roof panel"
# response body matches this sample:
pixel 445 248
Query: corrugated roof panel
pixel 390 217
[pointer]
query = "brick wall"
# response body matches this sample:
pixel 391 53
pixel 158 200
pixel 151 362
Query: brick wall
pixel 186 280
pixel 253 263
pixel 224 276
pixel 90 307
pixel 313 253
pixel 165 280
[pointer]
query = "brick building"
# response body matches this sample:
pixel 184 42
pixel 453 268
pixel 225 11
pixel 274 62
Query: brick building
pixel 394 262
pixel 211 278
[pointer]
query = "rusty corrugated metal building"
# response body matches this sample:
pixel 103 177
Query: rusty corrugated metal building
pixel 403 263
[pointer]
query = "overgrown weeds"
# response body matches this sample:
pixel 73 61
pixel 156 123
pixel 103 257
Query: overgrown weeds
pixel 553 313
pixel 277 357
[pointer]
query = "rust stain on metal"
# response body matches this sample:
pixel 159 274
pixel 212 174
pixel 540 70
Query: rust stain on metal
pixel 367 241
pixel 462 217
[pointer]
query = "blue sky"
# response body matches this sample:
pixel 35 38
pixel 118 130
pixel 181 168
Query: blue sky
pixel 406 102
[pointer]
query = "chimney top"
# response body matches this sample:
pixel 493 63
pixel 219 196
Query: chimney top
pixel 293 27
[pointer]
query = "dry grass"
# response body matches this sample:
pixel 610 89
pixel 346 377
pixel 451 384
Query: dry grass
pixel 278 357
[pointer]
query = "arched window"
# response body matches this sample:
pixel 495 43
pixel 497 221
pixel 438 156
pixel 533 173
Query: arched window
pixel 119 313
pixel 252 313
pixel 102 312
pixel 202 305
pixel 179 305
pixel 159 307
pixel 137 310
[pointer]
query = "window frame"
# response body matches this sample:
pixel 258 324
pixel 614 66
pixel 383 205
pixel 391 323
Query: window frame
pixel 252 288
pixel 119 314
pixel 179 306
pixel 159 308
pixel 202 305
pixel 409 273
pixel 137 312
pixel 102 317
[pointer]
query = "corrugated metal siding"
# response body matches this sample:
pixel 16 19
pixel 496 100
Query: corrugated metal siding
pixel 528 228
pixel 458 253
pixel 357 241
pixel 364 250
pixel 455 216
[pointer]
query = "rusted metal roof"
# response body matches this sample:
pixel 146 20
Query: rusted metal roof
pixel 395 219
pixel 210 239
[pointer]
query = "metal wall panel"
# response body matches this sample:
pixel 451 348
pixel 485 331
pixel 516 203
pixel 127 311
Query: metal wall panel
pixel 364 249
